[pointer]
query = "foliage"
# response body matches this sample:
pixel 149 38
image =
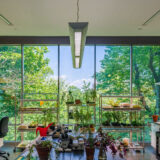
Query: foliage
pixel 113 78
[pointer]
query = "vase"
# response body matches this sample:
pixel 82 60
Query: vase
pixel 155 118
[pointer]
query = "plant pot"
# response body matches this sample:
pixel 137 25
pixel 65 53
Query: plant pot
pixel 92 128
pixel 43 152
pixel 155 118
pixel 90 153
pixel 78 101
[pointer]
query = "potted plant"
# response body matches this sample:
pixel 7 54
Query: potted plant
pixel 108 118
pixel 43 149
pixel 93 96
pixel 90 96
pixel 47 116
pixel 155 118
pixel 90 144
pixel 70 99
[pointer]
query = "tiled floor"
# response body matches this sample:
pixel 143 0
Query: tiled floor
pixel 148 155
pixel 132 155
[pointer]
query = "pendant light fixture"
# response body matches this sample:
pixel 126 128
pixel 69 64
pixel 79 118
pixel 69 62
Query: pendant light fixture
pixel 78 31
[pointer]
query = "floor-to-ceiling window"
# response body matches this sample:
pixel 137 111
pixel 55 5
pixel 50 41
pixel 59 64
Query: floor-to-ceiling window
pixel 146 74
pixel 75 81
pixel 40 85
pixel 10 83
pixel 41 66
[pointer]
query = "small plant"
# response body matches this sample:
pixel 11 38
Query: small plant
pixel 93 94
pixel 30 149
pixel 47 116
pixel 70 98
pixel 46 144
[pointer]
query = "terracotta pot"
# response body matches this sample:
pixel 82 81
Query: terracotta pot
pixel 77 101
pixel 155 118
pixel 43 152
pixel 90 153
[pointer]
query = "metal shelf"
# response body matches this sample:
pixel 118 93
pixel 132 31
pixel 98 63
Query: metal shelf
pixel 27 130
pixel 34 100
pixel 129 109
pixel 81 105
pixel 132 146
pixel 120 96
pixel 34 110
pixel 122 129
pixel 138 129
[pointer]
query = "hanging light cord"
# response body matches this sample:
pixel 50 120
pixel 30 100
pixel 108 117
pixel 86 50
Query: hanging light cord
pixel 77 10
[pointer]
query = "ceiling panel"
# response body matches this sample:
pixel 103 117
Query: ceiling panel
pixel 105 17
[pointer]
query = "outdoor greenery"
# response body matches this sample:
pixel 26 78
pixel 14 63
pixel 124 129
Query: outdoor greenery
pixel 112 78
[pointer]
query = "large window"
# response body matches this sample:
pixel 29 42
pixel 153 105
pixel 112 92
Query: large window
pixel 74 80
pixel 46 67
pixel 10 83
pixel 40 84
pixel 113 69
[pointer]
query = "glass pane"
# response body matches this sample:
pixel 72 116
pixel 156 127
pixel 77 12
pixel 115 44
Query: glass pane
pixel 75 81
pixel 10 84
pixel 146 75
pixel 40 86
pixel 113 69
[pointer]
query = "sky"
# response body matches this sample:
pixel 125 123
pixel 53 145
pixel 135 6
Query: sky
pixel 67 72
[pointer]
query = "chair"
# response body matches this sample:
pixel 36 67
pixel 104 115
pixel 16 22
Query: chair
pixel 3 133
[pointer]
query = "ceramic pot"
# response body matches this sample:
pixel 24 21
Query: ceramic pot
pixel 155 118
pixel 43 152
pixel 90 153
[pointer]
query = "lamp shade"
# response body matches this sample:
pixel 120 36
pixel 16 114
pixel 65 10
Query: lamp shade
pixel 78 31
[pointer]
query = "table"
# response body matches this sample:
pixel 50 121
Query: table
pixel 71 155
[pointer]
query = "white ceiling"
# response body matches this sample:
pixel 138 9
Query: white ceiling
pixel 105 17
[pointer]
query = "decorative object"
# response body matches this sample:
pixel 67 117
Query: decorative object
pixel 43 149
pixel 43 131
pixel 78 31
pixel 41 103
pixel 155 118
pixel 78 101
pixel 90 144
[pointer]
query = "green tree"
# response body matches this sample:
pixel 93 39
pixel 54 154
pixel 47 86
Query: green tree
pixel 115 72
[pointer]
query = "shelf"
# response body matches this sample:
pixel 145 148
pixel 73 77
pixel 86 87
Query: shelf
pixel 114 96
pixel 81 105
pixel 122 128
pixel 32 100
pixel 27 130
pixel 34 110
pixel 132 146
pixel 108 108
pixel 20 146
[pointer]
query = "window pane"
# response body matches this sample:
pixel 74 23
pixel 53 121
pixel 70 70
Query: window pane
pixel 40 85
pixel 146 73
pixel 75 80
pixel 113 69
pixel 10 84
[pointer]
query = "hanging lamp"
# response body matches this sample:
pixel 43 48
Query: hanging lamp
pixel 78 31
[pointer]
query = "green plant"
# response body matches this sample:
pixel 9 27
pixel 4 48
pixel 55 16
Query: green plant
pixel 46 144
pixel 70 96
pixel 82 117
pixel 47 116
pixel 93 94
pixel 30 149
